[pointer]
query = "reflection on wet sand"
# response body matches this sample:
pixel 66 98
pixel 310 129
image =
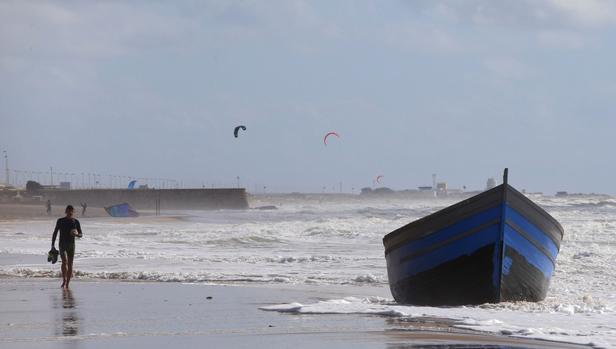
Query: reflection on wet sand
pixel 68 311
pixel 439 333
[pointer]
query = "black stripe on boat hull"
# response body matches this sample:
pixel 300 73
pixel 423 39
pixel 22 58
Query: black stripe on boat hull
pixel 536 215
pixel 524 282
pixel 530 239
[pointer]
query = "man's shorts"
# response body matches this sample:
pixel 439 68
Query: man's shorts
pixel 68 249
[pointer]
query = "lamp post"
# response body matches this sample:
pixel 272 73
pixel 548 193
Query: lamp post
pixel 6 165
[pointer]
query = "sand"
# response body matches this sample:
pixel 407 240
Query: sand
pixel 36 313
pixel 26 211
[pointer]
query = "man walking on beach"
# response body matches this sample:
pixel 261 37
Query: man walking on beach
pixel 68 227
pixel 48 207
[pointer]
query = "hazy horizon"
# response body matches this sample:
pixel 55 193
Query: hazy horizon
pixel 460 89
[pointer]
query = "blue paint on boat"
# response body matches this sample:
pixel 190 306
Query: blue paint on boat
pixel 121 210
pixel 507 265
pixel 448 232
pixel 530 252
pixel 533 231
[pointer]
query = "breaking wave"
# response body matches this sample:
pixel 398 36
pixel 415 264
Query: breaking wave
pixel 214 278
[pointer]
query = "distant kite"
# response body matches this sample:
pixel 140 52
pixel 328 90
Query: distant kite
pixel 131 184
pixel 329 134
pixel 237 130
pixel 378 178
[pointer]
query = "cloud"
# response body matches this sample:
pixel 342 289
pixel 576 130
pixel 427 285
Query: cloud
pixel 507 67
pixel 419 37
pixel 521 13
pixel 93 31
pixel 586 12
pixel 561 39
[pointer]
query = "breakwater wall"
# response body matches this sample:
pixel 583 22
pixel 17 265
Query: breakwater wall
pixel 146 199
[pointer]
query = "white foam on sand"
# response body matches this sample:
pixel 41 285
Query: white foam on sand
pixel 598 330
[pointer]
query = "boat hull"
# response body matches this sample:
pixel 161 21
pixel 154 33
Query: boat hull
pixel 121 210
pixel 497 246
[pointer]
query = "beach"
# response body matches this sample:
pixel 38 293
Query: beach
pixel 103 314
pixel 309 274
pixel 10 212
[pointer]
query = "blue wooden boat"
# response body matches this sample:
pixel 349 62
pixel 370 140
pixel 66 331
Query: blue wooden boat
pixel 121 210
pixel 497 246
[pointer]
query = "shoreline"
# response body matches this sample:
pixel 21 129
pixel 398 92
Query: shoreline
pixel 111 313
pixel 10 212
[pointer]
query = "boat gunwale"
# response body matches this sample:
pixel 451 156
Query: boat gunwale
pixel 434 217
pixel 537 208
pixel 476 205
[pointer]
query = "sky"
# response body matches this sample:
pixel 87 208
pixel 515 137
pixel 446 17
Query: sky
pixel 462 89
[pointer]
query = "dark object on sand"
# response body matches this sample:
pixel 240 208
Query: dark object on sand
pixel 237 130
pixel 121 210
pixel 33 187
pixel 497 246
pixel 52 255
pixel 268 207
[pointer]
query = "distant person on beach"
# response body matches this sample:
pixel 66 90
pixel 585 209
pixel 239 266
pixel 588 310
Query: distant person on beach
pixel 84 206
pixel 68 227
pixel 48 206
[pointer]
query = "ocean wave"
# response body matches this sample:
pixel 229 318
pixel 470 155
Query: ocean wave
pixel 583 305
pixel 329 231
pixel 243 241
pixel 191 277
pixel 372 212
pixel 583 254
pixel 303 259
pixel 141 276
pixel 368 279
pixel 594 204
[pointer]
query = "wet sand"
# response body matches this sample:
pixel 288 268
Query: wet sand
pixel 113 314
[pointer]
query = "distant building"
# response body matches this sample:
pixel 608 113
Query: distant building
pixel 562 193
pixel 441 186
pixel 65 185
pixel 383 190
pixel 491 183
pixel 425 188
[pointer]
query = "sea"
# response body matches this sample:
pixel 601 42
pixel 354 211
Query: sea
pixel 328 240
